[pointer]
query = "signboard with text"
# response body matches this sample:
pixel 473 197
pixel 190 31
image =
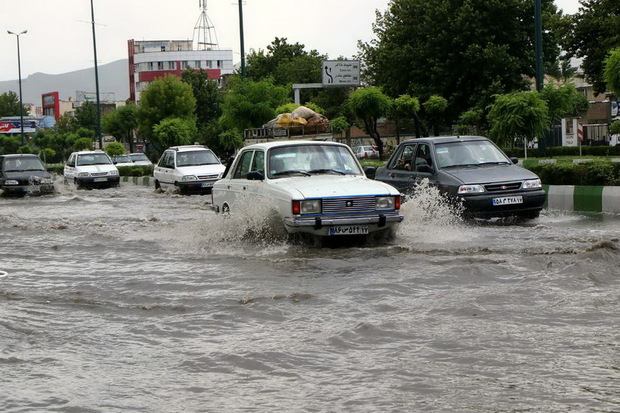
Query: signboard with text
pixel 341 73
pixel 15 126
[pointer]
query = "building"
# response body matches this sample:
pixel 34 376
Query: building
pixel 152 59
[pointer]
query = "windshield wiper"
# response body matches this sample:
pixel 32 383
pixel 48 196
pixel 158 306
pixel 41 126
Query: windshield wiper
pixel 292 171
pixel 320 171
pixel 495 163
pixel 461 165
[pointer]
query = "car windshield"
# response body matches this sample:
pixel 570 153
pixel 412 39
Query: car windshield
pixel 469 153
pixel 138 157
pixel 23 164
pixel 195 158
pixel 93 159
pixel 311 159
pixel 123 159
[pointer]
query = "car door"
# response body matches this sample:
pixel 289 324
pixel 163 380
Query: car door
pixel 398 171
pixel 423 164
pixel 238 185
pixel 164 169
pixel 69 171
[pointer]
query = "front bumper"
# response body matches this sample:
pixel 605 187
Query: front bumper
pixel 96 181
pixel 319 225
pixel 34 189
pixel 196 186
pixel 482 205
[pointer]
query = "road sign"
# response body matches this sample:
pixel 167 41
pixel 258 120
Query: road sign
pixel 341 73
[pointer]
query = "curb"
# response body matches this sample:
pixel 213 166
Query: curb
pixel 139 180
pixel 583 198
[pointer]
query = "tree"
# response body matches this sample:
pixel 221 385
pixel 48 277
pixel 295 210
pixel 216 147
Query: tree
pixel 612 71
pixel 83 144
pixel 9 105
pixel 518 115
pixel 174 132
pixel 86 116
pixel 167 97
pixel 250 104
pixel 207 94
pixel 115 149
pixel 406 107
pixel 435 109
pixel 470 121
pixel 369 104
pixel 563 101
pixel 66 124
pixel 592 33
pixel 121 123
pixel 463 50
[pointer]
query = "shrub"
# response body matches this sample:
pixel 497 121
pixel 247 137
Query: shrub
pixel 567 173
pixel 135 170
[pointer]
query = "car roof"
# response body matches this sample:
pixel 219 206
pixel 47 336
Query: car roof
pixel 89 152
pixel 20 155
pixel 447 139
pixel 184 148
pixel 298 142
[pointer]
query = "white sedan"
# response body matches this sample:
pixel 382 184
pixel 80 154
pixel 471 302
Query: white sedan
pixel 315 187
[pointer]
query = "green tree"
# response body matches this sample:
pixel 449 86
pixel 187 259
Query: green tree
pixel 563 101
pixel 406 107
pixel 66 124
pixel 368 105
pixel 592 33
pixel 86 116
pixel 470 121
pixel 435 109
pixel 9 105
pixel 175 131
pixel 121 123
pixel 520 115
pixel 463 50
pixel 167 97
pixel 207 94
pixel 83 144
pixel 250 104
pixel 612 71
pixel 115 149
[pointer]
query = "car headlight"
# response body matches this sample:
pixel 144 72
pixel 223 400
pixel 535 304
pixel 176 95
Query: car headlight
pixel 47 181
pixel 11 182
pixel 383 203
pixel 190 178
pixel 83 174
pixel 309 206
pixel 113 172
pixel 470 189
pixel 532 184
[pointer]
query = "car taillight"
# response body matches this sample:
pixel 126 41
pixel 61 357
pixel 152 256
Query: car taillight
pixel 397 202
pixel 296 207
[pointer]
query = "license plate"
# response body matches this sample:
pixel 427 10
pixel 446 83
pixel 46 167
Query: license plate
pixel 509 200
pixel 349 230
pixel 100 180
pixel 207 184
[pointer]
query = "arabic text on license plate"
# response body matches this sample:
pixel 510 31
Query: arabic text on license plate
pixel 508 200
pixel 100 179
pixel 207 184
pixel 349 230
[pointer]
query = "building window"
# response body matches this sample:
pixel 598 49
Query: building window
pixel 149 66
pixel 184 65
pixel 219 64
pixel 171 66
pixel 160 65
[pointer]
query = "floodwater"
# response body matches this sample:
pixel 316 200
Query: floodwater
pixel 127 300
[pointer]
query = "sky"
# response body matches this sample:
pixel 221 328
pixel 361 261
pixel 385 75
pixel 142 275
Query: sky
pixel 59 37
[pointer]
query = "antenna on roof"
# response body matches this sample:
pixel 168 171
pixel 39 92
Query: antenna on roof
pixel 202 38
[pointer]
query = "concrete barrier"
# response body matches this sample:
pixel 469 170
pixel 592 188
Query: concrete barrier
pixel 139 180
pixel 583 198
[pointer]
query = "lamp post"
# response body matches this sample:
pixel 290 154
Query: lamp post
pixel 19 72
pixel 92 13
pixel 241 39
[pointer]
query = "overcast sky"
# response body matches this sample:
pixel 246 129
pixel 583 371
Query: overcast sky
pixel 59 37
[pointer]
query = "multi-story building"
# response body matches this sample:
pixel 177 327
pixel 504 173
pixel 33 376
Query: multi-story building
pixel 152 59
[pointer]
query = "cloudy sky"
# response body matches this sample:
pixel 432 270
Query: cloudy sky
pixel 59 37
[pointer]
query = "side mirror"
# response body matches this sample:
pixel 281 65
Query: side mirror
pixel 255 176
pixel 370 172
pixel 424 168
pixel 514 160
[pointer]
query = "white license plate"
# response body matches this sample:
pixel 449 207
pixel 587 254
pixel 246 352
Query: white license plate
pixel 349 230
pixel 100 180
pixel 207 184
pixel 508 200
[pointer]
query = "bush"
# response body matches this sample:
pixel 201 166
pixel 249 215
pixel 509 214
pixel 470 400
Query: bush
pixel 135 170
pixel 596 173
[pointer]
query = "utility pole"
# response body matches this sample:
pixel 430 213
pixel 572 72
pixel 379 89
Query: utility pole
pixel 241 37
pixel 19 71
pixel 92 13
pixel 539 63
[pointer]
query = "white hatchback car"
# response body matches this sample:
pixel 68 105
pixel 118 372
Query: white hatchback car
pixel 189 168
pixel 91 169
pixel 315 187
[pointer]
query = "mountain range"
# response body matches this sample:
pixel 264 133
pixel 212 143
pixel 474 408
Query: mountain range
pixel 113 83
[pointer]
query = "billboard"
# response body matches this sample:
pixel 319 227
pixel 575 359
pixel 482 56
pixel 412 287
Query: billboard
pixel 14 126
pixel 341 73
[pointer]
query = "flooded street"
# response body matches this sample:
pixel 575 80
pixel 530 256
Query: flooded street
pixel 127 300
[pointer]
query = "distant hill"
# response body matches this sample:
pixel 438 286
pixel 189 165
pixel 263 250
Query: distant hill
pixel 113 78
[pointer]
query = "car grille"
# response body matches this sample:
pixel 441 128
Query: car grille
pixel 99 174
pixel 510 186
pixel 349 205
pixel 207 176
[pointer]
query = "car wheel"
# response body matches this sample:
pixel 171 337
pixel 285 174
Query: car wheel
pixel 225 209
pixel 157 186
pixel 530 215
pixel 77 184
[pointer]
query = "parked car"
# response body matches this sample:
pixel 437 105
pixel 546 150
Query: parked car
pixel 366 152
pixel 22 174
pixel 138 158
pixel 469 169
pixel 92 169
pixel 190 168
pixel 122 160
pixel 313 187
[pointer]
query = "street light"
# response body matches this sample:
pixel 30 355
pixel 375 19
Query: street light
pixel 19 71
pixel 92 14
